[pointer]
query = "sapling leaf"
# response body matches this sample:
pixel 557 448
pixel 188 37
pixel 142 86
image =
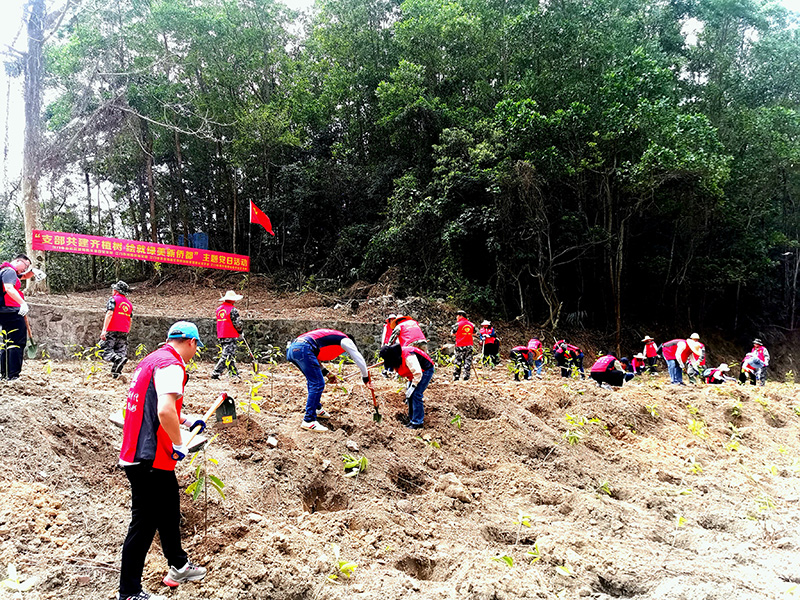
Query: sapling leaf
pixel 564 570
pixel 198 489
pixel 508 560
pixel 216 481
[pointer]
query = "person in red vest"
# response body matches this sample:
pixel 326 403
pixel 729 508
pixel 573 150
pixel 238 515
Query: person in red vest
pixel 607 371
pixel 568 356
pixel 116 326
pixel 639 363
pixel 536 349
pixel 306 352
pixel 13 314
pixel 151 446
pixel 229 327
pixel 675 352
pixel 407 332
pixel 491 344
pixel 415 365
pixel 388 328
pixel 522 357
pixel 763 355
pixel 650 352
pixel 464 331
pixel 695 359
pixel 717 376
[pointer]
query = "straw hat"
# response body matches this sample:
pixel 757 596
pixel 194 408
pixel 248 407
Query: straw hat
pixel 724 367
pixel 485 323
pixel 647 338
pixel 757 342
pixel 640 356
pixel 231 296
pixel 694 336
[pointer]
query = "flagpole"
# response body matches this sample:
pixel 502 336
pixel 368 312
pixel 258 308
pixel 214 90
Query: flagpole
pixel 249 256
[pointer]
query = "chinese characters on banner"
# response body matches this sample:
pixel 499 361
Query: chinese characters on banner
pixel 56 241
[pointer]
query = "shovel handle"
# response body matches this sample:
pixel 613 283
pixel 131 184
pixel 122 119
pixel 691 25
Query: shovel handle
pixel 346 377
pixel 217 403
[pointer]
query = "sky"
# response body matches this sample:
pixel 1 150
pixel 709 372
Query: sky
pixel 11 111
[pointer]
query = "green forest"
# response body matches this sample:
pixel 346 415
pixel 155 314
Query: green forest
pixel 583 163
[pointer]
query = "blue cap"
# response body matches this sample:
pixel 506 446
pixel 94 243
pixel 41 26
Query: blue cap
pixel 186 331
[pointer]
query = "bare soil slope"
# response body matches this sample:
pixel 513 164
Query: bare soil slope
pixel 637 506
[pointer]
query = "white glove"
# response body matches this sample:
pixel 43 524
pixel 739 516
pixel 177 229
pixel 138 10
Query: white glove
pixel 23 309
pixel 38 274
pixel 179 451
pixel 410 390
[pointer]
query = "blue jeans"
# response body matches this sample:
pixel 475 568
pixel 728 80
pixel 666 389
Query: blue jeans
pixel 416 408
pixel 675 371
pixel 302 356
pixel 538 364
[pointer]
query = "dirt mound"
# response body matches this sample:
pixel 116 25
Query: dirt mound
pixel 546 489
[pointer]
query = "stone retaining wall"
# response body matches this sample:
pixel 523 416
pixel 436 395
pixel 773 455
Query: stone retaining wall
pixel 59 329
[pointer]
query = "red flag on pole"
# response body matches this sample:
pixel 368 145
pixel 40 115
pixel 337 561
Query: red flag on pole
pixel 258 216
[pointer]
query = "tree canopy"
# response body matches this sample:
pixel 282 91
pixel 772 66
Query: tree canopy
pixel 580 162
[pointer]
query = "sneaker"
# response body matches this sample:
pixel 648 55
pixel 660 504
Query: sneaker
pixel 414 426
pixel 120 364
pixel 142 596
pixel 605 386
pixel 313 426
pixel 323 414
pixel 189 572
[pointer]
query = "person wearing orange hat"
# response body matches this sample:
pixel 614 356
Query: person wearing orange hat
pixel 229 327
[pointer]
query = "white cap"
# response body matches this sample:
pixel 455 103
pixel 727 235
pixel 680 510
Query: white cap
pixel 694 336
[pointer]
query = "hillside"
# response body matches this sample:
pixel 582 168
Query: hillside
pixel 638 506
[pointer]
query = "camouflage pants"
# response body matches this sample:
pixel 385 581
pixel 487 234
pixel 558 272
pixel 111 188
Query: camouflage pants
pixel 463 357
pixel 227 357
pixel 115 346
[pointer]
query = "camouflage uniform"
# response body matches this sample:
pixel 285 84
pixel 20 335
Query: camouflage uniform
pixel 228 355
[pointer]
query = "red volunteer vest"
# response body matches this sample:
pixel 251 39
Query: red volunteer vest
pixel 759 350
pixel 670 348
pixel 387 332
pixel 523 350
pixel 536 347
pixel 604 363
pixel 9 301
pixel 650 350
pixel 410 331
pixel 638 364
pixel 464 332
pixel 121 317
pixel 425 361
pixel 225 328
pixel 143 438
pixel 487 331
pixel 326 342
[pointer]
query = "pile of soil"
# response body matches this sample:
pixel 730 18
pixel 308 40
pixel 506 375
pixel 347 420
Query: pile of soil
pixel 551 488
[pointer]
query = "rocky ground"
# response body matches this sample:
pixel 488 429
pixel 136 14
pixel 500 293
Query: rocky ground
pixel 544 489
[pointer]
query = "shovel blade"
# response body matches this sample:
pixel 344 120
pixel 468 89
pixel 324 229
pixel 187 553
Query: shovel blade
pixel 376 416
pixel 226 413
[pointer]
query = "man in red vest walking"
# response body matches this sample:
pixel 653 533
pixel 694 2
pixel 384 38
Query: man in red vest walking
pixel 116 326
pixel 13 309
pixel 464 331
pixel 229 326
pixel 151 445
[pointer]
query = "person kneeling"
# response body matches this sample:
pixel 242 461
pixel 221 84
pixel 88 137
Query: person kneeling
pixel 416 366
pixel 608 371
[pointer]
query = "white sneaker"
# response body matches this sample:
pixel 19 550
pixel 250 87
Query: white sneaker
pixel 313 426
pixel 323 414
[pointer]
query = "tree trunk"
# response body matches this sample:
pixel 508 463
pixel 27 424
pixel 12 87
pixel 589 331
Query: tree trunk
pixel 32 149
pixel 89 202
pixel 148 150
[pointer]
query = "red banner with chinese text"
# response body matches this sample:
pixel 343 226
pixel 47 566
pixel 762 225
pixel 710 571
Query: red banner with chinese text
pixel 57 241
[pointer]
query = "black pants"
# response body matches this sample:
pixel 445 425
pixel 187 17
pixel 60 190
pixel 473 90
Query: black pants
pixel 615 378
pixel 651 364
pixel 492 350
pixel 12 344
pixel 155 506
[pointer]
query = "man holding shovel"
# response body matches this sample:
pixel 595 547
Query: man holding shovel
pixel 116 326
pixel 229 328
pixel 416 366
pixel 306 352
pixel 151 446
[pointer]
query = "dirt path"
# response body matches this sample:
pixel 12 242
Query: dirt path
pixel 638 506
